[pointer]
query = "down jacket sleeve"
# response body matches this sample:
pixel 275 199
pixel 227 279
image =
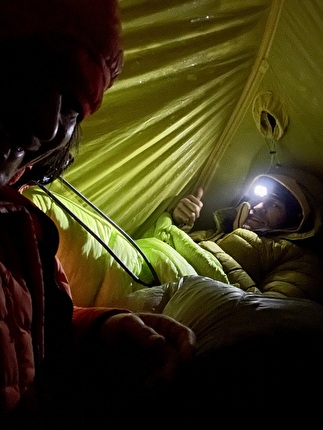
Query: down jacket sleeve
pixel 278 267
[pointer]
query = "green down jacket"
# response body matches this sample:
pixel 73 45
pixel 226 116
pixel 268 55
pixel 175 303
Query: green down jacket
pixel 282 264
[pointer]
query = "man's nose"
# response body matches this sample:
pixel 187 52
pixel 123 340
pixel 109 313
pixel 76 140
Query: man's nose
pixel 45 115
pixel 259 207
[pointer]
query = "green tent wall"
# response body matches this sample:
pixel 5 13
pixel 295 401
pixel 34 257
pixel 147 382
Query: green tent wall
pixel 181 113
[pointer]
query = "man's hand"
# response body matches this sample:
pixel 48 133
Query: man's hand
pixel 155 345
pixel 188 209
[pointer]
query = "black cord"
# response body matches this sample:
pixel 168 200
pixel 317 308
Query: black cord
pixel 156 280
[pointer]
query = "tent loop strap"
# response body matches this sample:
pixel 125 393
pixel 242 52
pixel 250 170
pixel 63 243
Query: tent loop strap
pixel 155 281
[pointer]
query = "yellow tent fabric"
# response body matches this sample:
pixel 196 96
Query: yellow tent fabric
pixel 180 114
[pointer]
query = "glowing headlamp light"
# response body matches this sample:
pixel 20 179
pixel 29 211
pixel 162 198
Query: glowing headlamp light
pixel 260 191
pixel 263 187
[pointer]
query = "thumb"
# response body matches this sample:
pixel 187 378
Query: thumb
pixel 199 193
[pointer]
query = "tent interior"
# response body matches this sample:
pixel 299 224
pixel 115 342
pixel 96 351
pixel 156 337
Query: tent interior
pixel 212 93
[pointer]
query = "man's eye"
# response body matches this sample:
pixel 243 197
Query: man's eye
pixel 276 205
pixel 18 150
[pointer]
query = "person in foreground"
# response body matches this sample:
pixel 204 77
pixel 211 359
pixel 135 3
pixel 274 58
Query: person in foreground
pixel 270 242
pixel 56 359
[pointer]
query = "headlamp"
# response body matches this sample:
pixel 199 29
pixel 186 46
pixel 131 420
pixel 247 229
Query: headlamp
pixel 260 191
pixel 262 188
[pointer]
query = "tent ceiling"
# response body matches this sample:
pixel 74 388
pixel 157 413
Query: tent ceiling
pixel 180 114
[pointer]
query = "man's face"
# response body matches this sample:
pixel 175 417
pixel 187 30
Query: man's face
pixel 270 213
pixel 36 114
